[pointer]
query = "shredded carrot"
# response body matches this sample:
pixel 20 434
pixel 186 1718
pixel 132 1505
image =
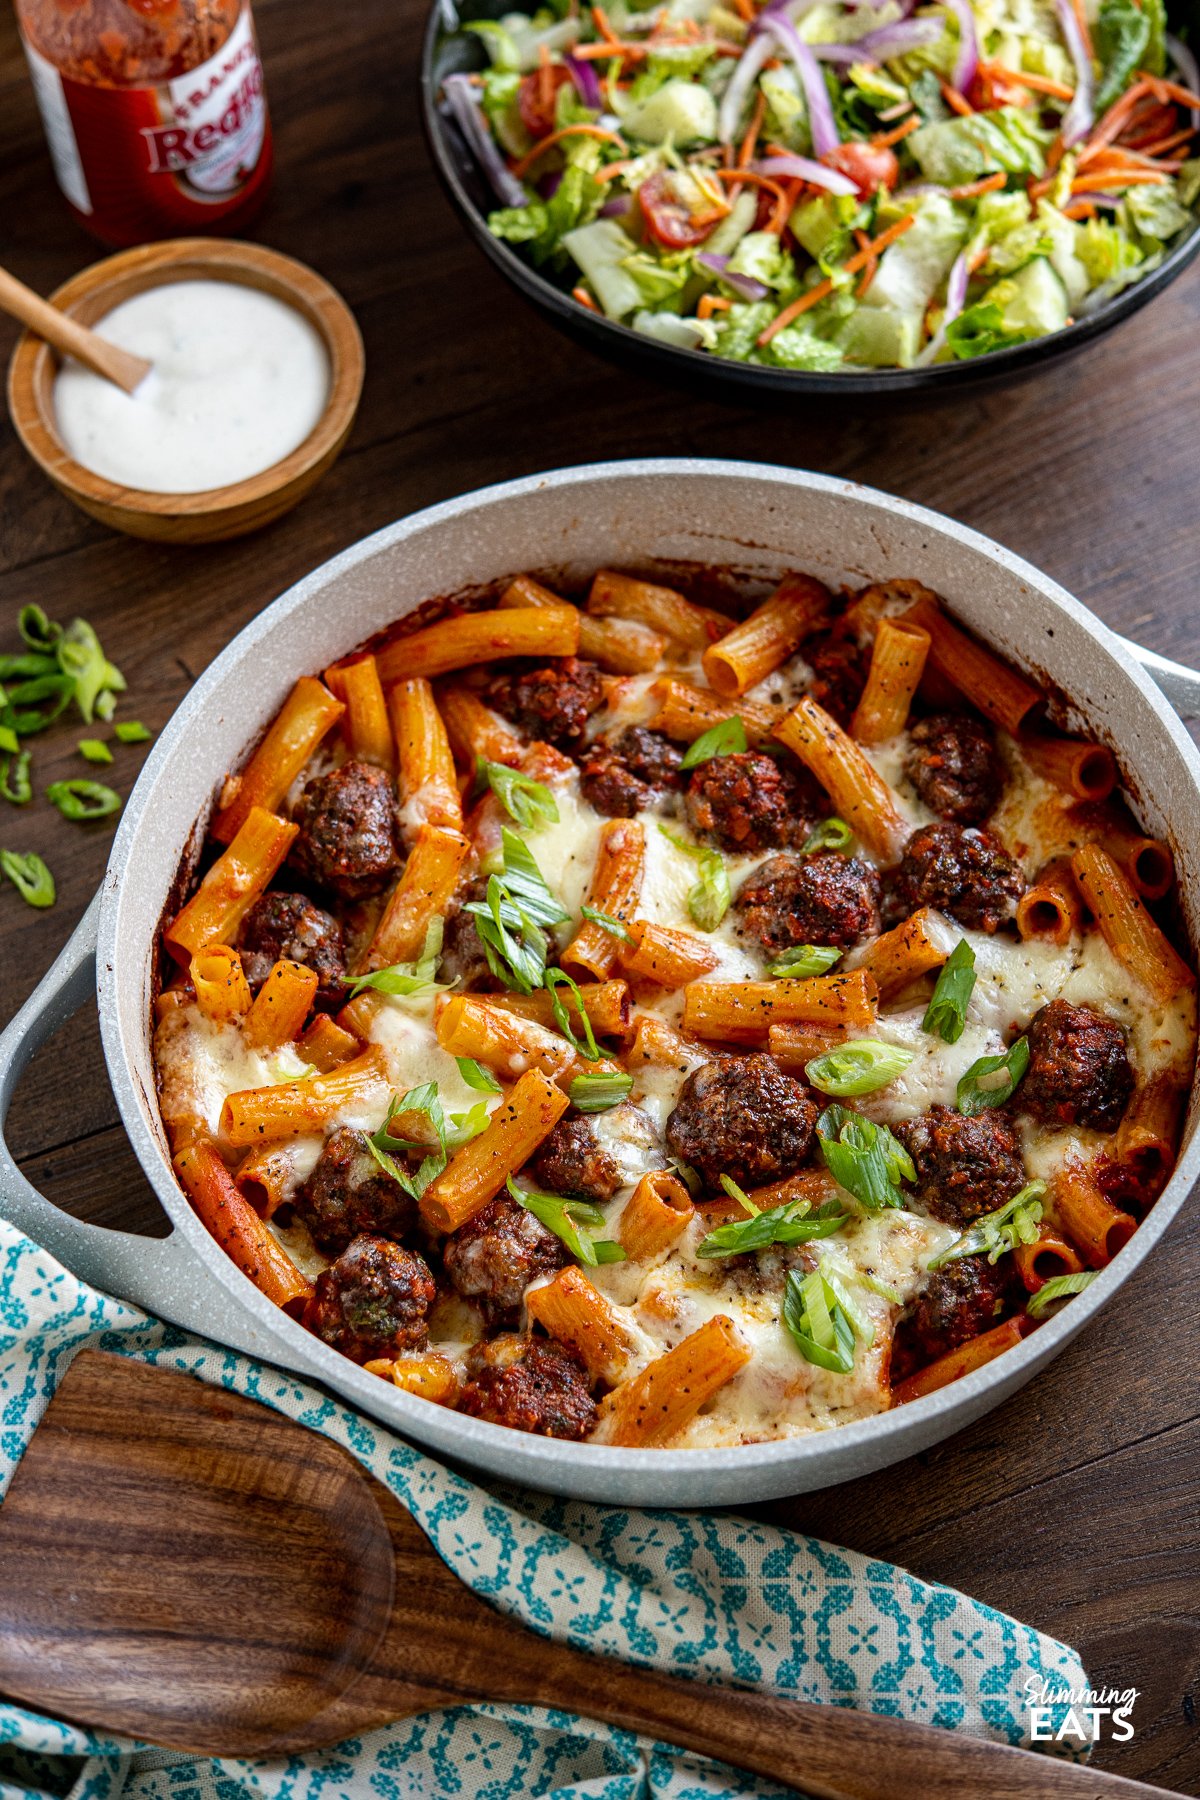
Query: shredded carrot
pixel 748 175
pixel 886 139
pixel 1111 124
pixel 1114 178
pixel 606 51
pixel 584 298
pixel 977 258
pixel 1079 209
pixel 1085 31
pixel 708 304
pixel 850 267
pixel 987 185
pixel 745 10
pixel 1037 84
pixel 610 171
pixel 1170 90
pixel 746 152
pixel 869 268
pixel 600 20
pixel 545 83
pixel 783 207
pixel 1163 145
pixel 955 101
pixel 556 137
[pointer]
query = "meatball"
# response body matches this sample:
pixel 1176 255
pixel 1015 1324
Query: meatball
pixel 744 1118
pixel 348 1194
pixel 749 802
pixel 960 870
pixel 839 673
pixel 554 703
pixel 464 959
pixel 622 775
pixel 373 1300
pixel 968 1296
pixel 497 1253
pixel 291 928
pixel 347 839
pixel 820 899
pixel 954 767
pixel 965 1166
pixel 1078 1071
pixel 571 1161
pixel 528 1384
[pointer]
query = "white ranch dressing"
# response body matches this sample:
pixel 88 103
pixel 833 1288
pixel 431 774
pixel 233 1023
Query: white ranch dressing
pixel 240 379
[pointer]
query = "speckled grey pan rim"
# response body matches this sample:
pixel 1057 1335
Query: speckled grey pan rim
pixel 759 520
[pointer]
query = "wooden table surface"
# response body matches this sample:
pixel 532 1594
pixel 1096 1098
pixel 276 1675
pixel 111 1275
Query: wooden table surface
pixel 1075 1505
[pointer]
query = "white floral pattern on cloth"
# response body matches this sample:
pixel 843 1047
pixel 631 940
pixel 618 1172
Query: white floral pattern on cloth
pixel 714 1596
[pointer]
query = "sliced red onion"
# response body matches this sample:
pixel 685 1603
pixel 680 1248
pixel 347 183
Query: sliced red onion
pixel 1102 202
pixel 548 185
pixel 880 46
pixel 802 168
pixel 616 208
pixel 821 123
pixel 1079 116
pixel 745 285
pixel 587 82
pixel 746 72
pixel 956 299
pixel 1189 68
pixel 460 97
pixel 968 44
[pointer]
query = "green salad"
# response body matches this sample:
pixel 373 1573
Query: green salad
pixel 837 184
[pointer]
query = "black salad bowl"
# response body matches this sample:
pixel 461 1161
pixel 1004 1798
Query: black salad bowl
pixel 447 50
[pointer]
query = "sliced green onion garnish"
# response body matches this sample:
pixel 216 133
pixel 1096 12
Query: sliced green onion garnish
pixel 726 738
pixel 993 1079
pixel 29 875
pixel 818 1324
pixel 805 960
pixel 94 750
pixel 83 800
pixel 404 981
pixel 860 1067
pixel 587 1046
pixel 477 1077
pixel 15 785
pixel 711 897
pixel 528 802
pixel 598 1092
pixel 563 1217
pixel 992 1234
pixel 864 1158
pixel 830 834
pixel 1059 1287
pixel 617 927
pixel 946 1013
pixel 132 731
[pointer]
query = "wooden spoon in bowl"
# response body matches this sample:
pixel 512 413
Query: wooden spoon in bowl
pixel 181 1565
pixel 70 337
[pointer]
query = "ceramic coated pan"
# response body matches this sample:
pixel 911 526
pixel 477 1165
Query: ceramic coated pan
pixel 759 521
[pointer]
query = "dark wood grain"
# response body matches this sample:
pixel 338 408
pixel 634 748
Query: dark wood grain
pixel 1072 1507
pixel 154 1524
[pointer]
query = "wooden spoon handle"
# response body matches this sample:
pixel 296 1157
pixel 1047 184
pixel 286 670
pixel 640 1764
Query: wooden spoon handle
pixel 837 1753
pixel 69 336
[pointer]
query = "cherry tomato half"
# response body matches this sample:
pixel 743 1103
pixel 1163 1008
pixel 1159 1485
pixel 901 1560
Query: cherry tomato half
pixel 677 214
pixel 536 96
pixel 868 167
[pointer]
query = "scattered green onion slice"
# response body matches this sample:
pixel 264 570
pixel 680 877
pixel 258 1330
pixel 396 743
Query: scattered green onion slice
pixel 711 897
pixel 817 1322
pixel 83 800
pixel 861 1066
pixel 994 1233
pixel 29 875
pixel 587 1046
pixel 617 927
pixel 563 1217
pixel 993 1079
pixel 15 784
pixel 510 921
pixel 468 1125
pixel 805 960
pixel 132 731
pixel 39 632
pixel 384 1147
pixel 864 1158
pixel 830 834
pixel 10 743
pixel 946 1014
pixel 598 1092
pixel 94 750
pixel 405 981
pixel 1059 1287
pixel 726 738
pixel 792 1223
pixel 477 1077
pixel 81 657
pixel 528 802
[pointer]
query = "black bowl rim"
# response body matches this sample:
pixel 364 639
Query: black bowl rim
pixel 609 336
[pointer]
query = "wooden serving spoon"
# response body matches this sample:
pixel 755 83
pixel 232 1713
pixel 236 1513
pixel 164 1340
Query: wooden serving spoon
pixel 181 1565
pixel 70 337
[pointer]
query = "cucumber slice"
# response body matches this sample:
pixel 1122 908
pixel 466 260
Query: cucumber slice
pixel 681 110
pixel 881 340
pixel 1033 300
pixel 599 249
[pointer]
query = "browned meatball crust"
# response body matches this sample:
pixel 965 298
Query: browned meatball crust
pixel 1079 1071
pixel 497 1253
pixel 742 1117
pixel 953 765
pixel 290 928
pixel 348 1194
pixel 965 1298
pixel 464 959
pixel 960 870
pixel 621 776
pixel 571 1161
pixel 965 1166
pixel 748 802
pixel 373 1300
pixel 820 899
pixel 348 839
pixel 839 673
pixel 553 704
pixel 528 1384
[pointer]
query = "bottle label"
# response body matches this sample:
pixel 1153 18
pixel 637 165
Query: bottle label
pixel 165 160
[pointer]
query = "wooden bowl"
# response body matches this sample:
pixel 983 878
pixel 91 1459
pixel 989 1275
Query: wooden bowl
pixel 216 513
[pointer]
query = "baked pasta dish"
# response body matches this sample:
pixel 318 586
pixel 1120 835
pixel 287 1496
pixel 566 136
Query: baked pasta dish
pixel 646 1023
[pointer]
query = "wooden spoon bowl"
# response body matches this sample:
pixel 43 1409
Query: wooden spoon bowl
pixel 216 513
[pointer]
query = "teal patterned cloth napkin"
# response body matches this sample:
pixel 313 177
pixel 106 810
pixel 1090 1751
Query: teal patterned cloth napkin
pixel 716 1597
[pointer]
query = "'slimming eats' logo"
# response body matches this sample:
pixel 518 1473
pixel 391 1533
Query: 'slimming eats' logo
pixel 1087 1710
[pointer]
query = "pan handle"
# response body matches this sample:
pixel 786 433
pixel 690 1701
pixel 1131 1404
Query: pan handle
pixel 1180 685
pixel 159 1274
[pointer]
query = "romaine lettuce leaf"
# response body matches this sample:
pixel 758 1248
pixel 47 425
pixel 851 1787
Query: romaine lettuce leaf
pixel 959 150
pixel 796 348
pixel 761 256
pixel 1155 212
pixel 1122 37
pixel 980 330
